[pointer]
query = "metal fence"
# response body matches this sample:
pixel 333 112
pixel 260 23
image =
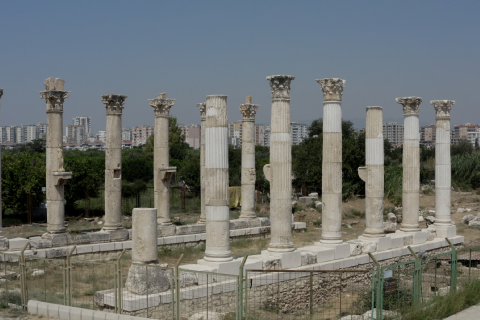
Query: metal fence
pixel 173 293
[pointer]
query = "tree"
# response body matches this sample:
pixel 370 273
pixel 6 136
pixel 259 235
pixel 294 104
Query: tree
pixel 463 146
pixel 36 146
pixel 23 176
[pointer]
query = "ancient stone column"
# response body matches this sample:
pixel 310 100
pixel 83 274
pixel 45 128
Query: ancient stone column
pixel 279 171
pixel 332 160
pixel 443 182
pixel 411 163
pixel 248 111
pixel 113 161
pixel 56 177
pixel 3 240
pixel 372 174
pixel 202 107
pixel 216 172
pixel 145 275
pixel 162 171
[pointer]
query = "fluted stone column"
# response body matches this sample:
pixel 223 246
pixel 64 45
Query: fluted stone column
pixel 3 240
pixel 162 171
pixel 248 111
pixel 216 170
pixel 145 276
pixel 56 177
pixel 411 164
pixel 202 107
pixel 279 171
pixel 443 176
pixel 332 160
pixel 373 174
pixel 113 161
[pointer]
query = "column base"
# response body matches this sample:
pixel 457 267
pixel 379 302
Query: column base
pixel 276 248
pixel 409 228
pixel 247 217
pixel 158 280
pixel 342 250
pixel 373 233
pixel 226 267
pixel 443 231
pixel 164 222
pixel 383 243
pixel 288 260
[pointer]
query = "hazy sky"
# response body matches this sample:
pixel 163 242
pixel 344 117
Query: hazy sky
pixel 190 49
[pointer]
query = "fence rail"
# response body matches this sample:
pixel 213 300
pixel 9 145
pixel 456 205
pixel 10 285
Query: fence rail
pixel 174 293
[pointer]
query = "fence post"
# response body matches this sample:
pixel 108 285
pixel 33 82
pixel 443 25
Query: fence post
pixel 453 278
pixel 379 290
pixel 240 289
pixel 417 277
pixel 69 275
pixel 23 276
pixel 177 289
pixel 118 284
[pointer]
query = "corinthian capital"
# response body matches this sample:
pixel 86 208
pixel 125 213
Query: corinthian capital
pixel 411 105
pixel 54 99
pixel 203 110
pixel 114 103
pixel 442 108
pixel 280 86
pixel 249 111
pixel 162 105
pixel 332 88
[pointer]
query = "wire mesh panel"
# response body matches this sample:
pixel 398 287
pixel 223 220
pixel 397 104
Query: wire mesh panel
pixel 436 275
pixel 207 294
pixel 86 278
pixel 397 286
pixel 10 282
pixel 284 294
pixel 468 266
pixel 45 280
pixel 145 290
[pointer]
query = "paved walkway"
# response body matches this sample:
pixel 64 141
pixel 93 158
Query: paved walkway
pixel 472 313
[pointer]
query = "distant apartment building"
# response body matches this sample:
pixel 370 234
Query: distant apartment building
pixel 102 136
pixel 393 132
pixel 235 133
pixel 30 133
pixel 428 135
pixel 75 134
pixel 259 135
pixel 473 137
pixel 86 122
pixel 19 134
pixel 266 140
pixel 10 134
pixel 460 132
pixel 41 131
pixel 141 134
pixel 298 131
pixel 192 133
pixel 126 134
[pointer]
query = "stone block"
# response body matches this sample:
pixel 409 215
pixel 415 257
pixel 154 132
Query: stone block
pixel 397 242
pixel 288 260
pixel 95 248
pixel 323 253
pixel 57 252
pixel 362 259
pixel 4 245
pixel 384 255
pixel 264 221
pixel 40 243
pixel 127 245
pixel 82 238
pixel 107 247
pixel 457 239
pixel 191 229
pixel 166 231
pixel 189 238
pixel 347 263
pixel 64 312
pixel 137 279
pixel 238 224
pixel 118 235
pixel 129 234
pixel 201 277
pixel 41 254
pixel 17 244
pixel 230 267
pixel 84 249
pixel 99 237
pixel 299 225
pixel 355 247
pixel 407 237
pixel 252 223
pixel 447 232
pixel 396 253
pixel 58 240
pixel 430 233
pixel 308 257
pixel 252 264
pixel 419 237
pixel 342 250
pixel 307 200
pixel 200 237
pixel 117 246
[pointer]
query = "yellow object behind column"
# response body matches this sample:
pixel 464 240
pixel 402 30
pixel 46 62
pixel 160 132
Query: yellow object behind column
pixel 235 197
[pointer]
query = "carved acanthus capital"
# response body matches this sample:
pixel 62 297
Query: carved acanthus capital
pixel 411 105
pixel 54 99
pixel 203 110
pixel 280 86
pixel 162 106
pixel 332 88
pixel 114 103
pixel 249 111
pixel 442 108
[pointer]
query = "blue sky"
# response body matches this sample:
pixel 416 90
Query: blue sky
pixel 190 49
